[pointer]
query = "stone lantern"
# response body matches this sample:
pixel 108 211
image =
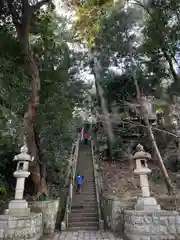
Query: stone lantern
pixel 146 202
pixel 19 206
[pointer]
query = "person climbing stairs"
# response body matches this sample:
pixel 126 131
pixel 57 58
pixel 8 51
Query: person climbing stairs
pixel 84 209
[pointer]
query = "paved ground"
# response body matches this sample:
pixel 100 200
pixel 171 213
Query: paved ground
pixel 83 235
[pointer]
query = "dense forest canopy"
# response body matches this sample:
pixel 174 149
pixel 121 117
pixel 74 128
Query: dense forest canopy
pixel 41 87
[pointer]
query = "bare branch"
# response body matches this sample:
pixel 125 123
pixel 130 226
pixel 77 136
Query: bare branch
pixel 118 120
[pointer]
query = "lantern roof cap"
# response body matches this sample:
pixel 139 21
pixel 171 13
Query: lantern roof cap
pixel 141 154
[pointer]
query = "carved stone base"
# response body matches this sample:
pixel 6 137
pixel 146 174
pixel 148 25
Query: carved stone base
pixel 146 225
pixel 49 211
pixel 18 208
pixel 20 228
pixel 63 226
pixel 147 204
pixel 101 224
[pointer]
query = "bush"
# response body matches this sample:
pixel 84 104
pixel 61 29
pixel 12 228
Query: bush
pixel 172 164
pixel 3 186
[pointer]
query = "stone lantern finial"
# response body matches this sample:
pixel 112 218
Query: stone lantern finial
pixel 139 148
pixel 24 149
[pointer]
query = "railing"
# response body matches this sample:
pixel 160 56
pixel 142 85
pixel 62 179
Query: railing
pixel 97 187
pixel 73 160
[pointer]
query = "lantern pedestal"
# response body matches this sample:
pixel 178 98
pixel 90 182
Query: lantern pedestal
pixel 147 204
pixel 18 208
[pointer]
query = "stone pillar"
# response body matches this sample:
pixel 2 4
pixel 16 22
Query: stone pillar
pixel 146 202
pixel 19 206
pixel 113 208
pixel 143 180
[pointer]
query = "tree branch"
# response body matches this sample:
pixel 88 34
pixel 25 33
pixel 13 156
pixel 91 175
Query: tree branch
pixel 4 103
pixel 38 5
pixel 14 14
pixel 140 4
pixel 26 15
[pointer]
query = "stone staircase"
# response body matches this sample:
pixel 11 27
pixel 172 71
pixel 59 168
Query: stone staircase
pixel 84 210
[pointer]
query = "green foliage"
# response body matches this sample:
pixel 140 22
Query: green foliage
pixel 155 175
pixel 44 198
pixel 89 16
pixel 172 163
pixel 3 190
pixel 61 91
pixel 3 186
pixel 132 43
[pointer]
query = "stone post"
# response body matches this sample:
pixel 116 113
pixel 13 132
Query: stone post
pixel 19 206
pixel 146 202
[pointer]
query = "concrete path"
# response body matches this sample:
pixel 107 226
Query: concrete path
pixel 86 235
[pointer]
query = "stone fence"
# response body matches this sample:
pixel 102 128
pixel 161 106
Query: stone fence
pixel 140 225
pixel 112 209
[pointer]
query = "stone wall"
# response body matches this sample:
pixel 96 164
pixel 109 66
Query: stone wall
pixel 49 211
pixel 160 225
pixel 112 211
pixel 19 228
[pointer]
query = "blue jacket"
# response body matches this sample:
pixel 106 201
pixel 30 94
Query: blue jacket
pixel 79 180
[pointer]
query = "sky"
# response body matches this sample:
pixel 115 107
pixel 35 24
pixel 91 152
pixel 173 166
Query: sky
pixel 64 11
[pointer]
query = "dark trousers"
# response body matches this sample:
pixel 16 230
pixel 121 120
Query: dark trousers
pixel 78 188
pixel 85 141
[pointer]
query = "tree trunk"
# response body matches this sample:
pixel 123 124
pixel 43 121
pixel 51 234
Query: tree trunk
pixel 153 141
pixel 42 188
pixel 167 116
pixel 169 60
pixel 100 95
pixel 131 166
pixel 29 120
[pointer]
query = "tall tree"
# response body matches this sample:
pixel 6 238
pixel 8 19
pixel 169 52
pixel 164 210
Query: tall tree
pixel 45 50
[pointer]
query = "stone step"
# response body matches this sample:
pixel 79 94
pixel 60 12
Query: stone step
pixel 83 228
pixel 84 190
pixel 84 210
pixel 85 205
pixel 85 199
pixel 85 194
pixel 84 214
pixel 84 187
pixel 75 218
pixel 82 206
pixel 88 184
pixel 92 185
pixel 91 197
pixel 83 224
